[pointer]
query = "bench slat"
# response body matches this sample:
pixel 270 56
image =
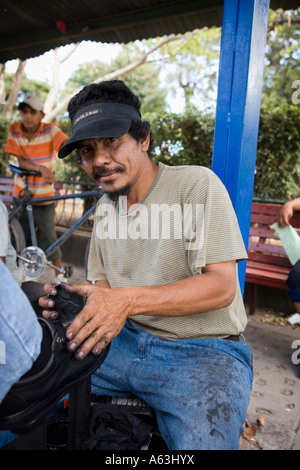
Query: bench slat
pixel 5 197
pixel 6 188
pixel 263 232
pixel 4 179
pixel 265 219
pixel 266 281
pixel 267 264
pixel 261 247
pixel 267 267
pixel 265 208
pixel 270 259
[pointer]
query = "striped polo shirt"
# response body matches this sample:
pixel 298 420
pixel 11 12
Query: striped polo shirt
pixel 41 149
pixel 184 223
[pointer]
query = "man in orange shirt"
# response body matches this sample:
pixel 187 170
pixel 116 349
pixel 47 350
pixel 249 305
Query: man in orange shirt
pixel 35 144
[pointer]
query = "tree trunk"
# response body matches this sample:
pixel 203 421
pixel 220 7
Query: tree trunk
pixel 55 88
pixel 17 83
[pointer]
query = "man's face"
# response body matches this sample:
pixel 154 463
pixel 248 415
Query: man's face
pixel 30 118
pixel 116 164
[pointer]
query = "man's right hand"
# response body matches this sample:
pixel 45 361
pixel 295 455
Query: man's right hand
pixel 285 214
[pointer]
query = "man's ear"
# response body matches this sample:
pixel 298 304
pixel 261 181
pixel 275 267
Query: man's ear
pixel 145 142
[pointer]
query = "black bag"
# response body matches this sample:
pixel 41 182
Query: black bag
pixel 120 427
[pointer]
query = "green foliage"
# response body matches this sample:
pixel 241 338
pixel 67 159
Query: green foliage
pixel 282 56
pixel 194 60
pixel 64 170
pixel 65 126
pixel 187 140
pixel 34 87
pixel 4 158
pixel 278 155
pixel 183 139
pixel 143 83
pixel 28 87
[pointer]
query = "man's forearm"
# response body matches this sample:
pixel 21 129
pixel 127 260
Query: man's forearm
pixel 27 165
pixel 196 294
pixel 46 173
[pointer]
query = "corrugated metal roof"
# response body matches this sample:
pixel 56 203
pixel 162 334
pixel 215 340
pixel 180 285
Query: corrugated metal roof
pixel 30 28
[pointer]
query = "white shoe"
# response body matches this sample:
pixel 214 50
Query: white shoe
pixel 294 319
pixel 60 278
pixel 28 279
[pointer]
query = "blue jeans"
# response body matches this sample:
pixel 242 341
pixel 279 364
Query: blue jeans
pixel 199 389
pixel 20 336
pixel 293 282
pixel 20 332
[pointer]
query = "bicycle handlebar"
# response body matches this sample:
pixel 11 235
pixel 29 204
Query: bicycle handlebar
pixel 22 172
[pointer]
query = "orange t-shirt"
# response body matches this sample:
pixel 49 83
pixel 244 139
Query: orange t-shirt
pixel 41 149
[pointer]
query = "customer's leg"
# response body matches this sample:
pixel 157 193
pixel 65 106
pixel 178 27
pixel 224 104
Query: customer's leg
pixel 293 283
pixel 20 332
pixel 20 337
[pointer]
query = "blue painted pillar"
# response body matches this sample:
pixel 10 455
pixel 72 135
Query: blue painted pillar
pixel 243 41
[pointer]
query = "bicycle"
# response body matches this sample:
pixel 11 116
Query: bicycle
pixel 32 259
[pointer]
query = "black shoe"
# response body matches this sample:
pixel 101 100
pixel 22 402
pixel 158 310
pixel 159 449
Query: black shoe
pixel 66 305
pixel 31 399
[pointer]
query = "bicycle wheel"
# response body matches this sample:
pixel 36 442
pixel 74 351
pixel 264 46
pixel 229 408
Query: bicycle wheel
pixel 17 235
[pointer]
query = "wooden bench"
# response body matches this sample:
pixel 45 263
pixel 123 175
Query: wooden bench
pixel 268 264
pixel 6 188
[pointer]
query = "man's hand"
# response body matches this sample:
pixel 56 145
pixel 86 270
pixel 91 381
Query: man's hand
pixel 284 215
pixel 47 303
pixel 101 319
pixel 47 174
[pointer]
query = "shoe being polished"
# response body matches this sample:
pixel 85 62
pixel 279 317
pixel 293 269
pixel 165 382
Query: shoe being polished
pixel 52 376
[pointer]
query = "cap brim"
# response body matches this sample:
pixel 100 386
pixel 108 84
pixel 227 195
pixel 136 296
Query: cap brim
pixel 95 130
pixel 21 105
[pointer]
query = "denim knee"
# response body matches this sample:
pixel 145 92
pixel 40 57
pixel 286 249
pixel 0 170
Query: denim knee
pixel 293 280
pixel 294 295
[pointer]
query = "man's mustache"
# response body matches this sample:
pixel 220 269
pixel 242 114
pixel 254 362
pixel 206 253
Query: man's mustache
pixel 99 172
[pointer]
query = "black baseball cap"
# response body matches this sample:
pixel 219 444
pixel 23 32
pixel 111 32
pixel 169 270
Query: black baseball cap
pixel 99 120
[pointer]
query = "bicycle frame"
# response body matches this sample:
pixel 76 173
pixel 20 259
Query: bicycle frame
pixel 28 206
